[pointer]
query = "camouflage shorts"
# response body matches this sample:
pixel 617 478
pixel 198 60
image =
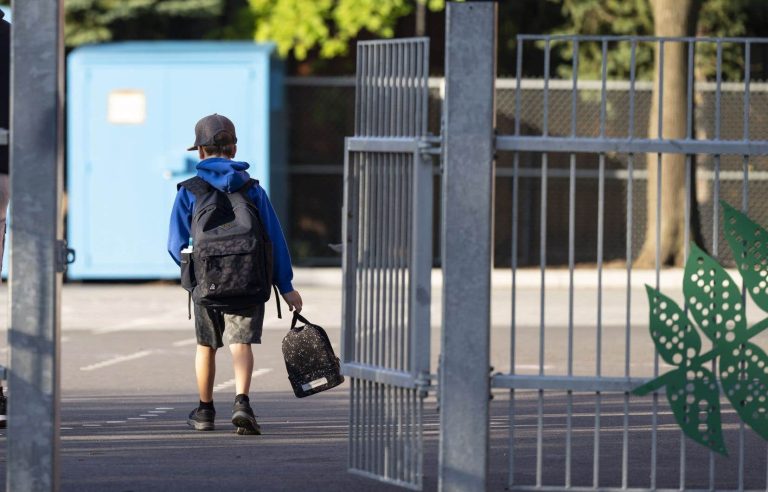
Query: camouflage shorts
pixel 212 326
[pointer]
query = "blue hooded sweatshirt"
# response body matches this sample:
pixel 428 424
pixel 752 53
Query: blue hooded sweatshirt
pixel 229 176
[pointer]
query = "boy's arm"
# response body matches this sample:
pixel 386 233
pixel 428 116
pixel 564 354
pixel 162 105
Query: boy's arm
pixel 181 218
pixel 282 270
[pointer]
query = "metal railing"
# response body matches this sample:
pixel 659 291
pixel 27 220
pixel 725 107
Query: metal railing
pixel 634 474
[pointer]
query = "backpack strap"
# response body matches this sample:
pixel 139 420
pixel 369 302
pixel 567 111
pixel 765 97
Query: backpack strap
pixel 247 186
pixel 196 185
pixel 277 298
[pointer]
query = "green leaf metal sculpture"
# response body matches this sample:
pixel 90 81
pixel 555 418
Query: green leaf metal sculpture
pixel 716 304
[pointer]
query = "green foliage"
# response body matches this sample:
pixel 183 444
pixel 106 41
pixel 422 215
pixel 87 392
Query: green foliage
pixel 716 18
pixel 300 26
pixel 90 21
pixel 606 17
pixel 717 305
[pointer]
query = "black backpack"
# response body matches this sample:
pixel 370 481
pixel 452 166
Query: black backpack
pixel 230 267
pixel 309 359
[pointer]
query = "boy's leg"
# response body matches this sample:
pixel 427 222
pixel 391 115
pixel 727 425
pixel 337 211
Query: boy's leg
pixel 209 325
pixel 205 370
pixel 243 329
pixel 242 359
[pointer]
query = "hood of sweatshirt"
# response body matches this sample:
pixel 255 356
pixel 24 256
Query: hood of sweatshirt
pixel 225 174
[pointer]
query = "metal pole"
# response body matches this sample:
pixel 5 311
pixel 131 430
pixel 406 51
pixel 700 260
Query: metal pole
pixel 35 280
pixel 467 233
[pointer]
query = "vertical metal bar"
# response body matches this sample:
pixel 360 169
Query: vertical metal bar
pixel 600 238
pixel 378 252
pixel 419 401
pixel 545 108
pixel 359 78
pixel 629 255
pixel 421 267
pixel 361 90
pixel 375 92
pixel 515 225
pixel 687 221
pixel 349 257
pixel 424 79
pixel 407 88
pixel 660 133
pixel 716 197
pixel 388 252
pixel 419 110
pixel 543 268
pixel 467 199
pixel 37 88
pixel 352 439
pixel 744 208
pixel 571 258
pixel 747 77
pixel 369 91
pixel 405 355
pixel 402 453
pixel 369 241
pixel 715 203
pixel 405 213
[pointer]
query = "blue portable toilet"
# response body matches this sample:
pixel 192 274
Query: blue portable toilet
pixel 131 112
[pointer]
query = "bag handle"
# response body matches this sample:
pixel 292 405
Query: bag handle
pixel 298 317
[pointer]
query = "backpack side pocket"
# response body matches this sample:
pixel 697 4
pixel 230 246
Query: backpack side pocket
pixel 188 281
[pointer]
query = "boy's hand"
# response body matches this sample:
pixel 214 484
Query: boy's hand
pixel 293 299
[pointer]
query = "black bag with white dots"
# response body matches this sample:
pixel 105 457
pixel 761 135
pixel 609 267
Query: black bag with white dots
pixel 309 359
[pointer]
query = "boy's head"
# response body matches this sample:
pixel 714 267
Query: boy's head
pixel 215 137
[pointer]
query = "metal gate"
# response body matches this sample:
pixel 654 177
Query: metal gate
pixel 584 431
pixel 387 261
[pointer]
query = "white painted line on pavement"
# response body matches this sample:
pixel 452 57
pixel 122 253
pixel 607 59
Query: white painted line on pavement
pixel 148 415
pixel 231 382
pixel 91 425
pixel 155 411
pixel 116 360
pixel 134 323
pixel 137 418
pixel 185 342
pixel 164 408
pixel 115 421
pixel 66 428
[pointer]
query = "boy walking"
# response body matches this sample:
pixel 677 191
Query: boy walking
pixel 237 315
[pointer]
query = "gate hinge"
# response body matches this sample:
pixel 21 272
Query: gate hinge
pixel 64 255
pixel 424 384
pixel 431 145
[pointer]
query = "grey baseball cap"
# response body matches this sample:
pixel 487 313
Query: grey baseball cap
pixel 208 129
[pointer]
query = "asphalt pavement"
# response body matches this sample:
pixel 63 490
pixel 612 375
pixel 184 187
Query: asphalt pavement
pixel 128 385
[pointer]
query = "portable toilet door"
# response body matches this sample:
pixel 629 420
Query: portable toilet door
pixel 132 109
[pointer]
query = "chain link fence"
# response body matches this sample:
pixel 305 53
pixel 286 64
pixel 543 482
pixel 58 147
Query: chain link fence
pixel 321 114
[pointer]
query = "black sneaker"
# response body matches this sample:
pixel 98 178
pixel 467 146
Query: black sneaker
pixel 244 419
pixel 201 419
pixel 3 409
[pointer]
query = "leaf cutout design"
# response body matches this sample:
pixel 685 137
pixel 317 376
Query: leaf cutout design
pixel 674 335
pixel 744 375
pixel 695 400
pixel 749 244
pixel 713 298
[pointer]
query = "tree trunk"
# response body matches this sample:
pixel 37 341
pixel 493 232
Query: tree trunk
pixel 671 18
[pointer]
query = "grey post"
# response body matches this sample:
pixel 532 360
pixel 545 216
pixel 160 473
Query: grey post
pixel 467 231
pixel 36 179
